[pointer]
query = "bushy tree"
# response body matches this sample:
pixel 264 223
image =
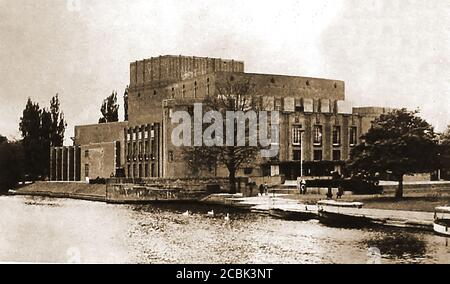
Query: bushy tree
pixel 41 129
pixel 231 95
pixel 109 109
pixel 398 143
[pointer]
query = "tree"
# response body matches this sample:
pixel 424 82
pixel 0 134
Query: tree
pixel 41 129
pixel 232 95
pixel 398 143
pixel 125 104
pixel 110 109
pixel 11 163
pixel 57 123
pixel 444 150
pixel 30 127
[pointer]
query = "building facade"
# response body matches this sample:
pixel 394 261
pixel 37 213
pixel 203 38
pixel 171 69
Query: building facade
pixel 318 128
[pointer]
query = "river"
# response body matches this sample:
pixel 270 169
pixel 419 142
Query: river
pixel 45 230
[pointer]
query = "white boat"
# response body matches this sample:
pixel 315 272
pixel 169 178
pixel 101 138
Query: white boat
pixel 339 213
pixel 442 220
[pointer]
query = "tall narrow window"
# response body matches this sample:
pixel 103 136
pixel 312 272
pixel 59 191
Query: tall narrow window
pixel 317 135
pixel 173 93
pixel 207 86
pixel 195 89
pixel 86 154
pixel 184 91
pixel 296 136
pixel 86 170
pixel 336 135
pixel 353 136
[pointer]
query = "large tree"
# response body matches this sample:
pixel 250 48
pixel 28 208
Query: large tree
pixel 30 127
pixel 41 129
pixel 57 123
pixel 11 163
pixel 444 149
pixel 109 109
pixel 398 143
pixel 232 95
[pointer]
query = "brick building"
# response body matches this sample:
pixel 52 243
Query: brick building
pixel 314 118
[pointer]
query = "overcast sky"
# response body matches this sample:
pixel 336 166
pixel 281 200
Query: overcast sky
pixel 389 52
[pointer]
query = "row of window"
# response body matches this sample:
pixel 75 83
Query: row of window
pixel 183 90
pixel 318 135
pixel 317 155
pixel 141 170
pixel 141 135
pixel 134 149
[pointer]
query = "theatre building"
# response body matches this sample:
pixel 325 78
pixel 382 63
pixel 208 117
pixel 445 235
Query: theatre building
pixel 318 128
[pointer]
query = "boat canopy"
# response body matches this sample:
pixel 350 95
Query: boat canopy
pixel 442 209
pixel 340 204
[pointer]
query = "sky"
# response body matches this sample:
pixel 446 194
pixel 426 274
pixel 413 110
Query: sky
pixel 391 53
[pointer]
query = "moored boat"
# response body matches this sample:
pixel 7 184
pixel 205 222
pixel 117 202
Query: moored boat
pixel 341 213
pixel 293 214
pixel 442 220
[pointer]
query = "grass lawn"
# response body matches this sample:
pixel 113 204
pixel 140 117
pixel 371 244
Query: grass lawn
pixel 412 202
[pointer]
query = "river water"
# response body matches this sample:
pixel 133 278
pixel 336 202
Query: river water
pixel 45 230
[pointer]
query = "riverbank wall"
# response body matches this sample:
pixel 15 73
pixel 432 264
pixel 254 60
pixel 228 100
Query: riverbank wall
pixel 128 191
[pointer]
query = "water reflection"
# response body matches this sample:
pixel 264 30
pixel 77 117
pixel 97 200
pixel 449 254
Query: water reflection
pixel 59 230
pixel 400 245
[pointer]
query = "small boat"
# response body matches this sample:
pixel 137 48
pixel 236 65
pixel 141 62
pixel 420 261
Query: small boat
pixel 293 214
pixel 339 213
pixel 442 221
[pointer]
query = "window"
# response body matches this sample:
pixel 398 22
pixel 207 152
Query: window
pixel 86 154
pixel 173 93
pixel 336 135
pixel 170 156
pixel 278 105
pixel 147 147
pixel 140 171
pixel 297 155
pixel 154 92
pixel 134 149
pixel 317 155
pixel 129 171
pixel 299 106
pixel 297 136
pixel 336 155
pixel 248 171
pixel 135 171
pixel 146 170
pixel 207 86
pixel 129 148
pixel 195 89
pixel 184 91
pixel 140 148
pixel 353 136
pixel 318 135
pixel 86 170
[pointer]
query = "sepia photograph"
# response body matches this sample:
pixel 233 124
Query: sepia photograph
pixel 213 132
